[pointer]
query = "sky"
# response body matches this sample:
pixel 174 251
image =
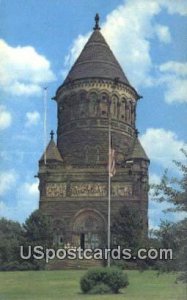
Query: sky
pixel 40 40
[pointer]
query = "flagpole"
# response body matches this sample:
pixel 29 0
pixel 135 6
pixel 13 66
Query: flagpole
pixel 45 123
pixel 109 189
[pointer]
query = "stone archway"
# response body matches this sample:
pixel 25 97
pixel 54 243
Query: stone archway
pixel 88 227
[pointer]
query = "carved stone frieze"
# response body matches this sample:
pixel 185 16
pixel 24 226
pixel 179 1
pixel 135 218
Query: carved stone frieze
pixel 100 189
pixel 56 189
pixel 88 189
pixel 121 190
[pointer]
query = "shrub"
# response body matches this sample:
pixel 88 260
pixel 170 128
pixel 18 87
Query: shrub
pixel 22 266
pixel 100 288
pixel 113 278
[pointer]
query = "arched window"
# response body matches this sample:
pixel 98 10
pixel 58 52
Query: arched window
pixel 82 104
pixel 132 113
pixel 60 113
pixel 104 105
pixel 66 112
pixel 114 106
pixel 72 106
pixel 123 109
pixel 93 97
pixel 82 96
pixel 128 111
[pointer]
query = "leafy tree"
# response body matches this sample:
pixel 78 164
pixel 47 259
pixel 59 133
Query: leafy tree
pixel 38 229
pixel 11 237
pixel 174 191
pixel 166 239
pixel 127 228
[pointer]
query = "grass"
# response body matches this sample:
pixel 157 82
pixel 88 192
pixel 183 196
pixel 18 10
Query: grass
pixel 49 285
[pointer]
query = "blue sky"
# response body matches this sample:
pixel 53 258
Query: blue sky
pixel 39 41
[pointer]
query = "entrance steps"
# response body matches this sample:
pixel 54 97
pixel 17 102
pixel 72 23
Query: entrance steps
pixel 76 264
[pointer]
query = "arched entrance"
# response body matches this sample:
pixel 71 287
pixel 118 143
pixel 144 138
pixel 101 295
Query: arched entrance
pixel 88 229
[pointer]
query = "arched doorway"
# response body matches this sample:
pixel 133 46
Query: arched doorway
pixel 88 229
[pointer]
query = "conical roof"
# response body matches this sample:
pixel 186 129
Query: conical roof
pixel 138 151
pixel 96 61
pixel 52 153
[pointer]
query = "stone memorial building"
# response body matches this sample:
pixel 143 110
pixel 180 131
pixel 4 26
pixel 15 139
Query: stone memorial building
pixel 73 173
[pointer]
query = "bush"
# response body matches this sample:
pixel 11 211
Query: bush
pixel 113 278
pixel 22 266
pixel 100 288
pixel 124 265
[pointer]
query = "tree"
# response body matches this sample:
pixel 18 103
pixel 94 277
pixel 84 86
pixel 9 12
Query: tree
pixel 38 229
pixel 11 237
pixel 174 191
pixel 127 228
pixel 166 239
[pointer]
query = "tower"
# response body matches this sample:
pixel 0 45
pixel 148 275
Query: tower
pixel 73 178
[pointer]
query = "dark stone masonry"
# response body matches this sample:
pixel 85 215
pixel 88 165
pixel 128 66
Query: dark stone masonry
pixel 74 176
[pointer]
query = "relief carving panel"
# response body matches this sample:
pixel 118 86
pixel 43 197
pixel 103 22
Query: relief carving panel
pixel 56 189
pixel 88 189
pixel 121 190
pixel 100 189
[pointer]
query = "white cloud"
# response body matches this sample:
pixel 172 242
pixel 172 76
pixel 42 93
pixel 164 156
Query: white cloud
pixel 7 180
pixel 174 67
pixel 163 33
pixel 154 178
pixel 27 199
pixel 5 118
pixel 157 212
pixel 179 216
pixel 22 70
pixel 129 30
pixel 174 76
pixel 173 6
pixel 32 118
pixel 75 50
pixel 162 146
pixel 176 90
pixel 30 188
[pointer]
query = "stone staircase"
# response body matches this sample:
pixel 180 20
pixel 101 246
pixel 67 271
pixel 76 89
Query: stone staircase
pixel 76 264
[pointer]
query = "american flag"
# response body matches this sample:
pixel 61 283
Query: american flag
pixel 112 163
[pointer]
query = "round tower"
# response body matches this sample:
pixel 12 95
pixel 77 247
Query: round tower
pixel 95 92
pixel 95 96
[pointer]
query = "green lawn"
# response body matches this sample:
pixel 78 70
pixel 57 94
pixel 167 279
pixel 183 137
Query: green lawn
pixel 47 285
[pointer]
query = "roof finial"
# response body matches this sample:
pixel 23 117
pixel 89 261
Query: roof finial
pixel 97 22
pixel 136 132
pixel 52 134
